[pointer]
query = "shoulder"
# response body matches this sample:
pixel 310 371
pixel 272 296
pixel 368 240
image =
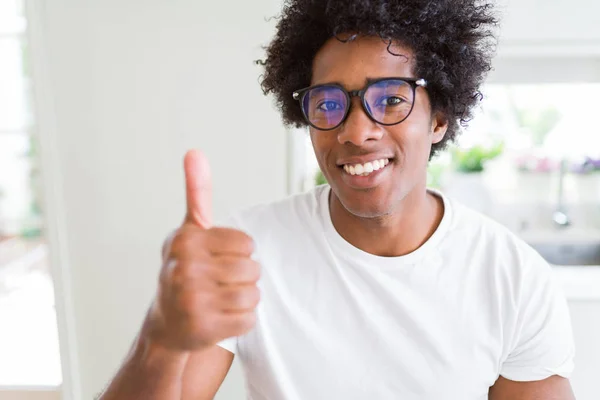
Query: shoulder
pixel 489 241
pixel 290 213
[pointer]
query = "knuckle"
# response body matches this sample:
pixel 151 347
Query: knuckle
pixel 254 270
pixel 178 273
pixel 257 295
pixel 185 303
pixel 247 243
pixel 231 297
pixel 236 239
pixel 236 270
pixel 178 240
pixel 244 298
pixel 181 272
pixel 253 297
pixel 166 247
pixel 185 241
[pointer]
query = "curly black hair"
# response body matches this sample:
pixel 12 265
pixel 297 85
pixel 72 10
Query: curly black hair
pixel 453 41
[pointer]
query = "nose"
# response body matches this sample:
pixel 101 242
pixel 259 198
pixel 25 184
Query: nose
pixel 358 127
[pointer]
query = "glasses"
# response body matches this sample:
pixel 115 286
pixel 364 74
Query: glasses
pixel 387 101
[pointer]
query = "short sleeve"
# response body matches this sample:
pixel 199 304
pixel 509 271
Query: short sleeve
pixel 541 344
pixel 229 344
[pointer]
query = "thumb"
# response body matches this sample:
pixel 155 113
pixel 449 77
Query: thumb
pixel 198 188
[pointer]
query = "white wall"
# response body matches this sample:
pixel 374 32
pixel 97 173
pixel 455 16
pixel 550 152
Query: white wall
pixel 133 84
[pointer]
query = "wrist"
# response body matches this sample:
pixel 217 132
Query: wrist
pixel 153 355
pixel 152 352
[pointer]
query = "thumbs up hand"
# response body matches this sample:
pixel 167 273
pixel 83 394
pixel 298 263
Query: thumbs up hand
pixel 207 289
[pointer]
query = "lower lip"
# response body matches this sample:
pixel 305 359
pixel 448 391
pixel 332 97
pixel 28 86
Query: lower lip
pixel 365 182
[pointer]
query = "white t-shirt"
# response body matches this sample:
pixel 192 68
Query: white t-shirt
pixel 334 322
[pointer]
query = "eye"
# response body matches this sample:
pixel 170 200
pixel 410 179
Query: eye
pixel 390 101
pixel 329 106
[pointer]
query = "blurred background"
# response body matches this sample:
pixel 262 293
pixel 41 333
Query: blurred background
pixel 99 100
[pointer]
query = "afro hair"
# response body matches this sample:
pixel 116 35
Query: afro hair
pixel 453 42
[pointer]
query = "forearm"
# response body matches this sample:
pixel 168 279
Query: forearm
pixel 149 372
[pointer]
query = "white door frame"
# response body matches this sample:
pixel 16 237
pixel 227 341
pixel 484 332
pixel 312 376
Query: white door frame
pixel 54 212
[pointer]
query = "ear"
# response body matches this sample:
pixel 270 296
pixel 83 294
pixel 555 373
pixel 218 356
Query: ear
pixel 439 127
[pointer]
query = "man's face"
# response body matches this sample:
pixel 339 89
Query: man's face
pixel 360 140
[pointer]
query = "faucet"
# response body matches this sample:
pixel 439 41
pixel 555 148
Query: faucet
pixel 560 217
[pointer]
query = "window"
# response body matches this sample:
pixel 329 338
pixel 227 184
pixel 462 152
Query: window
pixel 29 335
pixel 534 127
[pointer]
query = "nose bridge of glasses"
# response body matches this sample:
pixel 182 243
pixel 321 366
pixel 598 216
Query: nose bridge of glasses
pixel 363 104
pixel 358 125
pixel 355 93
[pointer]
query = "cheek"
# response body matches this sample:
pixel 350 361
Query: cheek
pixel 413 139
pixel 320 147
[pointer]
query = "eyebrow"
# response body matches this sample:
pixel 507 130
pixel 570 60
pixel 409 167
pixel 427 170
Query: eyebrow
pixel 371 80
pixel 368 81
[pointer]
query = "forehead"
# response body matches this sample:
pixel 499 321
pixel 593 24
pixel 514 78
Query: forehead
pixel 352 63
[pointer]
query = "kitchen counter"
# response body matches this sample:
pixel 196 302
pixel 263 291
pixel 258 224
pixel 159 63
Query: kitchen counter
pixel 579 283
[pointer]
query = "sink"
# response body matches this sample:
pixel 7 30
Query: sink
pixel 569 253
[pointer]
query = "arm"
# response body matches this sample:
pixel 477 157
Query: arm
pixel 539 346
pixel 152 372
pixel 205 372
pixel 207 293
pixel 553 388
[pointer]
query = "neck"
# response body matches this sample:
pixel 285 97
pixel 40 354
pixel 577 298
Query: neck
pixel 401 232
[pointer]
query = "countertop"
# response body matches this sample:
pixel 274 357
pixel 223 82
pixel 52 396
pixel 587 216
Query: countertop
pixel 579 283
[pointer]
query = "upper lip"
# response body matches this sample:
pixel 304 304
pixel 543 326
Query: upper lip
pixel 362 159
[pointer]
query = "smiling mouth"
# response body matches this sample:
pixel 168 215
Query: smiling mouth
pixel 366 169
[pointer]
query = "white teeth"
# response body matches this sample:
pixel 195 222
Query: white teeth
pixel 366 168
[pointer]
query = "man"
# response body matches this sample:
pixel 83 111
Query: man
pixel 373 287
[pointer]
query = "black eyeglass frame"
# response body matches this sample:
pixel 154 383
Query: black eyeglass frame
pixel 413 82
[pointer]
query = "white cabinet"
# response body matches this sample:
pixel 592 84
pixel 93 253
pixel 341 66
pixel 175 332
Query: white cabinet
pixel 586 330
pixel 550 27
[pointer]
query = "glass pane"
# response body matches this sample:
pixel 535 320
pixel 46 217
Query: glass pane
pixel 12 19
pixel 29 351
pixel 554 118
pixel 521 137
pixel 29 334
pixel 15 192
pixel 14 86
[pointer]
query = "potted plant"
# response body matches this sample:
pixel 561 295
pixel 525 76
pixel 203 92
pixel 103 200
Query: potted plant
pixel 467 184
pixel 473 160
pixel 320 178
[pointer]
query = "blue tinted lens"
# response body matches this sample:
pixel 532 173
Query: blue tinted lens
pixel 389 101
pixel 325 106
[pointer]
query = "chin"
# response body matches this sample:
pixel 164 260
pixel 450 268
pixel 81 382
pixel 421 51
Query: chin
pixel 365 204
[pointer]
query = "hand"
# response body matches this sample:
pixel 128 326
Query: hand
pixel 207 290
